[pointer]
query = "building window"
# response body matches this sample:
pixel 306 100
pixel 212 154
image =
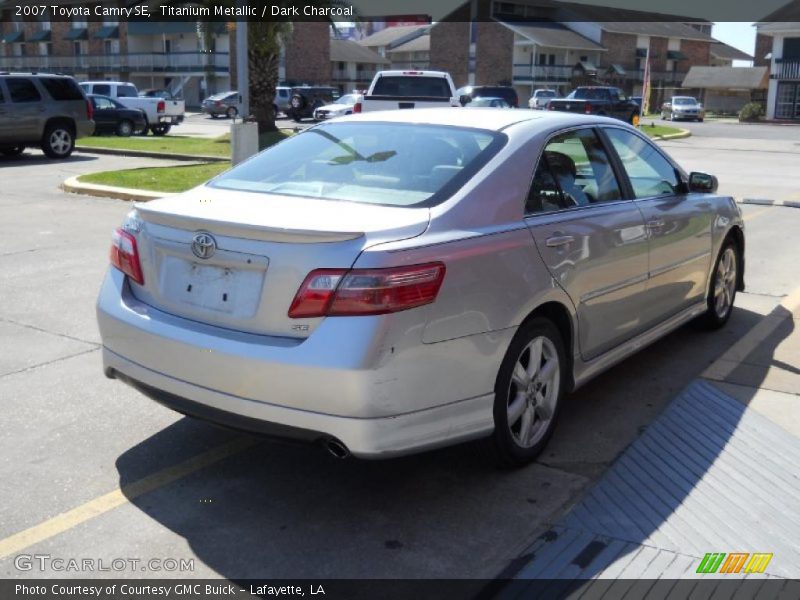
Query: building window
pixel 45 49
pixel 787 104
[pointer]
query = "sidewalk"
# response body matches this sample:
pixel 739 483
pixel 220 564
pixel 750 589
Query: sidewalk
pixel 717 472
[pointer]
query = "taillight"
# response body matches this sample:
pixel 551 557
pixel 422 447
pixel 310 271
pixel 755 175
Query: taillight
pixel 340 292
pixel 89 110
pixel 125 255
pixel 550 106
pixel 161 106
pixel 357 107
pixel 588 108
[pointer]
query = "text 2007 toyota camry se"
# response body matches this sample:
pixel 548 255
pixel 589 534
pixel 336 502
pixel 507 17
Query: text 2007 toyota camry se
pixel 395 281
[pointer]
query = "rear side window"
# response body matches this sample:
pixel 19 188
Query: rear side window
pixel 126 91
pixel 581 169
pixel 22 90
pixel 411 86
pixel 102 89
pixel 649 172
pixel 61 88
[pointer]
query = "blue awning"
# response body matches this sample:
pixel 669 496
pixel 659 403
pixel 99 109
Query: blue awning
pixel 107 32
pixel 43 35
pixel 14 37
pixel 79 33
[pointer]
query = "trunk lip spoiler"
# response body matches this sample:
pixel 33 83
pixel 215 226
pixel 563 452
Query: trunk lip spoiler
pixel 245 230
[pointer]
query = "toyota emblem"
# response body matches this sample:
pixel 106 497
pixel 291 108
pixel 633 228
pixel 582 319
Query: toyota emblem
pixel 204 245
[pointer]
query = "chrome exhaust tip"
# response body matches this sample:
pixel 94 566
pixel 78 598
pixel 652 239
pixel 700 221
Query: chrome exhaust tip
pixel 337 449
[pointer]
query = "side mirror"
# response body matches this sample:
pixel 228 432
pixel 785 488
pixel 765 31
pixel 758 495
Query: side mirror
pixel 702 183
pixel 465 99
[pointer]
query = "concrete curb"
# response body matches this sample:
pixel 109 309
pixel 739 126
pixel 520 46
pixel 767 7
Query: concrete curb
pixel 684 133
pixel 73 186
pixel 148 154
pixel 768 202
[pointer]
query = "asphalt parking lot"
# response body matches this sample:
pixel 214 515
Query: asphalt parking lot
pixel 89 468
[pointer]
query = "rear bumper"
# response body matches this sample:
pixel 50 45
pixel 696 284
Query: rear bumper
pixel 378 395
pixel 84 129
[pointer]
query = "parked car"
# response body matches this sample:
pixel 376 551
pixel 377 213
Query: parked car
pixel 597 100
pixel 111 116
pixel 392 90
pixel 683 108
pixel 306 99
pixel 637 100
pixel 46 111
pixel 386 283
pixel 343 106
pixel 224 103
pixel 540 98
pixel 488 101
pixel 283 99
pixel 469 93
pixel 162 114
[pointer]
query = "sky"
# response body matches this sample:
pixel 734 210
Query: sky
pixel 739 35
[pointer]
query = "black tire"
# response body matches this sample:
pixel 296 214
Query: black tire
pixel 504 446
pixel 144 130
pixel 699 120
pixel 161 129
pixel 214 115
pixel 298 102
pixel 714 318
pixel 13 151
pixel 275 111
pixel 232 112
pixel 124 128
pixel 58 140
pixel 296 116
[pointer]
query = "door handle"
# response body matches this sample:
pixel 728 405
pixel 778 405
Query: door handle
pixel 655 223
pixel 559 240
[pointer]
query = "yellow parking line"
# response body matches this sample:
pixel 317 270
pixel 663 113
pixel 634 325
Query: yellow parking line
pixel 102 504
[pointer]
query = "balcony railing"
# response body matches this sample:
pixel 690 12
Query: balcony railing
pixel 182 62
pixel 564 73
pixel 789 69
pixel 543 72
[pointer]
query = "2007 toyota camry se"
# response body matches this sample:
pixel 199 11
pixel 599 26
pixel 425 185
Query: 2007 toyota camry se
pixel 396 281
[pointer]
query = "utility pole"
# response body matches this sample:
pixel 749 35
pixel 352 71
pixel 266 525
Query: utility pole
pixel 242 73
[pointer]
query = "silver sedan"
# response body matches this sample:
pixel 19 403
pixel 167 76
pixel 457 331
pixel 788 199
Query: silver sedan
pixel 391 282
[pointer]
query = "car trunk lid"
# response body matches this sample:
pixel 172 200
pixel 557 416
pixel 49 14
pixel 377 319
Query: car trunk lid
pixel 236 259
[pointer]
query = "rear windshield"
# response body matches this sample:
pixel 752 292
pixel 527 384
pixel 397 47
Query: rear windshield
pixel 126 91
pixel 61 88
pixel 684 101
pixel 412 86
pixel 590 94
pixel 545 94
pixel 393 164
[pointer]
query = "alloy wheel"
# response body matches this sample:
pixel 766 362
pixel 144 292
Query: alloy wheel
pixel 533 391
pixel 60 141
pixel 725 283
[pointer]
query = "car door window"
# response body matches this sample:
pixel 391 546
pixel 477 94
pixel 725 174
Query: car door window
pixel 104 104
pixel 649 172
pixel 22 90
pixel 581 168
pixel 102 89
pixel 545 194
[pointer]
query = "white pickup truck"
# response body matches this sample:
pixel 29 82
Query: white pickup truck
pixel 161 113
pixel 391 90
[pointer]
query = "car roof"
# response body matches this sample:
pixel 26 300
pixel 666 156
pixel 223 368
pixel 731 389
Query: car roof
pixel 492 119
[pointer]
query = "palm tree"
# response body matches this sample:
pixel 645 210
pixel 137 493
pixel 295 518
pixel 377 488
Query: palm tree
pixel 264 42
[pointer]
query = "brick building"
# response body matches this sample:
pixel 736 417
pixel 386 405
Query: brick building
pixel 182 57
pixel 533 44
